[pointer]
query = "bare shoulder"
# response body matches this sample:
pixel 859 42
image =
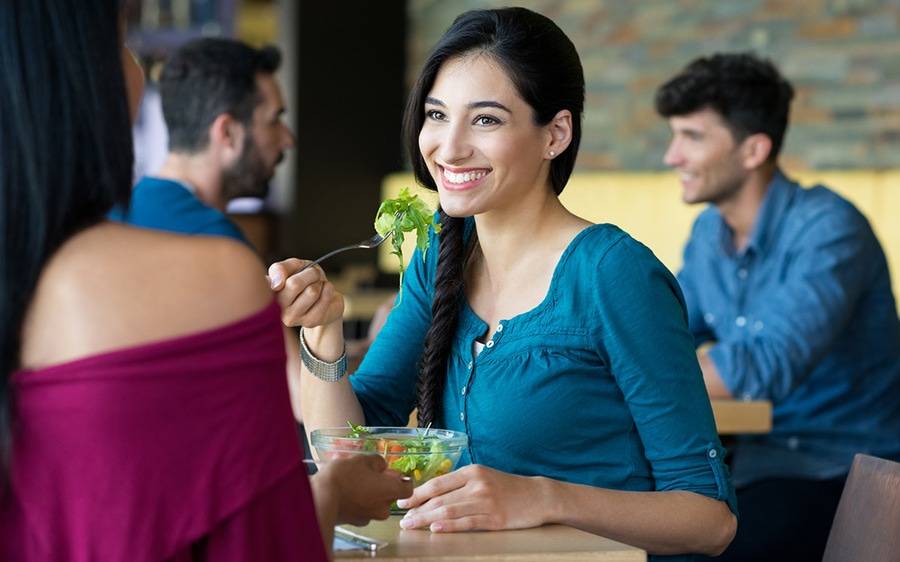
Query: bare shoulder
pixel 115 286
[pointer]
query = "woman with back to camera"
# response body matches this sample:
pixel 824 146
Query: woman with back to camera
pixel 559 346
pixel 144 413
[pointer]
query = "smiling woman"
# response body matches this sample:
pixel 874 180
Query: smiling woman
pixel 560 347
pixel 481 145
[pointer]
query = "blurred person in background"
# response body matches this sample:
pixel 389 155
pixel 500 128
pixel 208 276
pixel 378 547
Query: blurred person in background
pixel 791 290
pixel 224 111
pixel 130 425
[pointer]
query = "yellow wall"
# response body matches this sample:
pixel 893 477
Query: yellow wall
pixel 648 206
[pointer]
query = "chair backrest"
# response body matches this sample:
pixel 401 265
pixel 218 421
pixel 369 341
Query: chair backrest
pixel 867 523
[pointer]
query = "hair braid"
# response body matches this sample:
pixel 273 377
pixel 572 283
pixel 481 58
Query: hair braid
pixel 444 315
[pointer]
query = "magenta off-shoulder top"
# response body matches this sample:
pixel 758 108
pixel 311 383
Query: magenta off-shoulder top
pixel 184 449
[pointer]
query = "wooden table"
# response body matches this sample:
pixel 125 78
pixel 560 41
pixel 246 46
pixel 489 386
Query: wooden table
pixel 742 416
pixel 542 544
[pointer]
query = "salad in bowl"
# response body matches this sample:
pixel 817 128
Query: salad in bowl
pixel 420 453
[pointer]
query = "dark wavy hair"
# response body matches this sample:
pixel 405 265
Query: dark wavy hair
pixel 748 92
pixel 65 148
pixel 206 78
pixel 544 66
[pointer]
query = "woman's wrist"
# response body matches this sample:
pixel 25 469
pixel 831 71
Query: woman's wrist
pixel 326 342
pixel 551 498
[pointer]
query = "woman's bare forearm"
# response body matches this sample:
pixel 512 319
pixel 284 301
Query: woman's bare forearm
pixel 674 522
pixel 327 404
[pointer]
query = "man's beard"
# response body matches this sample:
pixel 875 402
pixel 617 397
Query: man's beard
pixel 249 176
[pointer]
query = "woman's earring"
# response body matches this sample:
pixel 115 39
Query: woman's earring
pixel 552 154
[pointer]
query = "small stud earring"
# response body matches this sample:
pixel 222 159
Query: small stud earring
pixel 552 154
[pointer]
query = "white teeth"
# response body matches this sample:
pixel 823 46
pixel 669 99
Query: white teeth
pixel 464 177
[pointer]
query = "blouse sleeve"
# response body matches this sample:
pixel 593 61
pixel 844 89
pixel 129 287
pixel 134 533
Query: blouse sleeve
pixel 643 335
pixel 385 382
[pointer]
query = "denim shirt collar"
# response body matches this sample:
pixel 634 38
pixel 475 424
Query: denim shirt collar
pixel 778 196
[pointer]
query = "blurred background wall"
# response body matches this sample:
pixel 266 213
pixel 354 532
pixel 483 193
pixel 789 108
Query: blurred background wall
pixel 348 66
pixel 843 57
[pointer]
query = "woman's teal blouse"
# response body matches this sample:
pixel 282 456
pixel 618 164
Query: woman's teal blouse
pixel 599 384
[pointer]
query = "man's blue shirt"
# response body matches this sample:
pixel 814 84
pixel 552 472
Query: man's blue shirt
pixel 802 316
pixel 164 204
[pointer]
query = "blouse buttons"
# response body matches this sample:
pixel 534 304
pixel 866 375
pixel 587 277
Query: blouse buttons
pixel 489 344
pixel 499 327
pixel 713 454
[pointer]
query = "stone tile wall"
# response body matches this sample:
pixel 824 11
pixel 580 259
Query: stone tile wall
pixel 843 57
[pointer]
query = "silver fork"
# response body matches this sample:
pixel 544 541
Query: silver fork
pixel 372 242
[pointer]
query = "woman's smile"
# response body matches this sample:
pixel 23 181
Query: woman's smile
pixel 461 179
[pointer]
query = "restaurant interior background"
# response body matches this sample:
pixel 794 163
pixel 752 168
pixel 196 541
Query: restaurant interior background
pixel 348 65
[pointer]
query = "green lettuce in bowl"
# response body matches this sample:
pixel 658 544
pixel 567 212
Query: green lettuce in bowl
pixel 421 454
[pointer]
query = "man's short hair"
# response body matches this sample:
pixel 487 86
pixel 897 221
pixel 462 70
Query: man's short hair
pixel 206 78
pixel 748 92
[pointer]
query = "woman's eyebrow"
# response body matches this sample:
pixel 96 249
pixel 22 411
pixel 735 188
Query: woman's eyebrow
pixel 488 103
pixel 474 105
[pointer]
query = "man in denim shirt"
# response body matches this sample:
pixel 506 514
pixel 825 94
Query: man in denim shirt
pixel 791 290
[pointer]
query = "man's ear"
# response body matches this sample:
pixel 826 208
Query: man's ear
pixel 226 137
pixel 755 150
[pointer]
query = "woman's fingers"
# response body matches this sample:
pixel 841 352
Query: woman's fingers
pixel 279 271
pixel 436 509
pixel 434 487
pixel 451 511
pixel 480 522
pixel 306 297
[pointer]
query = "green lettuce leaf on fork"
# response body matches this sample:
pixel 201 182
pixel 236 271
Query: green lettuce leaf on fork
pixel 402 214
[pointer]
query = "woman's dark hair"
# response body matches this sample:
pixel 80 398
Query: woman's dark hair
pixel 543 65
pixel 748 93
pixel 65 148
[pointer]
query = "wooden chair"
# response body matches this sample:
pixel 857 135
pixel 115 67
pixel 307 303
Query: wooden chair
pixel 867 523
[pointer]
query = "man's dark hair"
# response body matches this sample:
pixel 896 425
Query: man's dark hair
pixel 748 92
pixel 206 78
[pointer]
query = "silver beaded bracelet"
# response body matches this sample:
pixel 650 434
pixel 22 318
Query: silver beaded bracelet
pixel 323 370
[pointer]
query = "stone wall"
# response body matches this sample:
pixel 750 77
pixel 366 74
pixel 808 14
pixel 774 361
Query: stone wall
pixel 843 57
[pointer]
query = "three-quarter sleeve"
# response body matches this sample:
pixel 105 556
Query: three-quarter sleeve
pixel 643 335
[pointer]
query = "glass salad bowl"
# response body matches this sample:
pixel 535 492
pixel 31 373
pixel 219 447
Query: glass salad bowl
pixel 418 453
